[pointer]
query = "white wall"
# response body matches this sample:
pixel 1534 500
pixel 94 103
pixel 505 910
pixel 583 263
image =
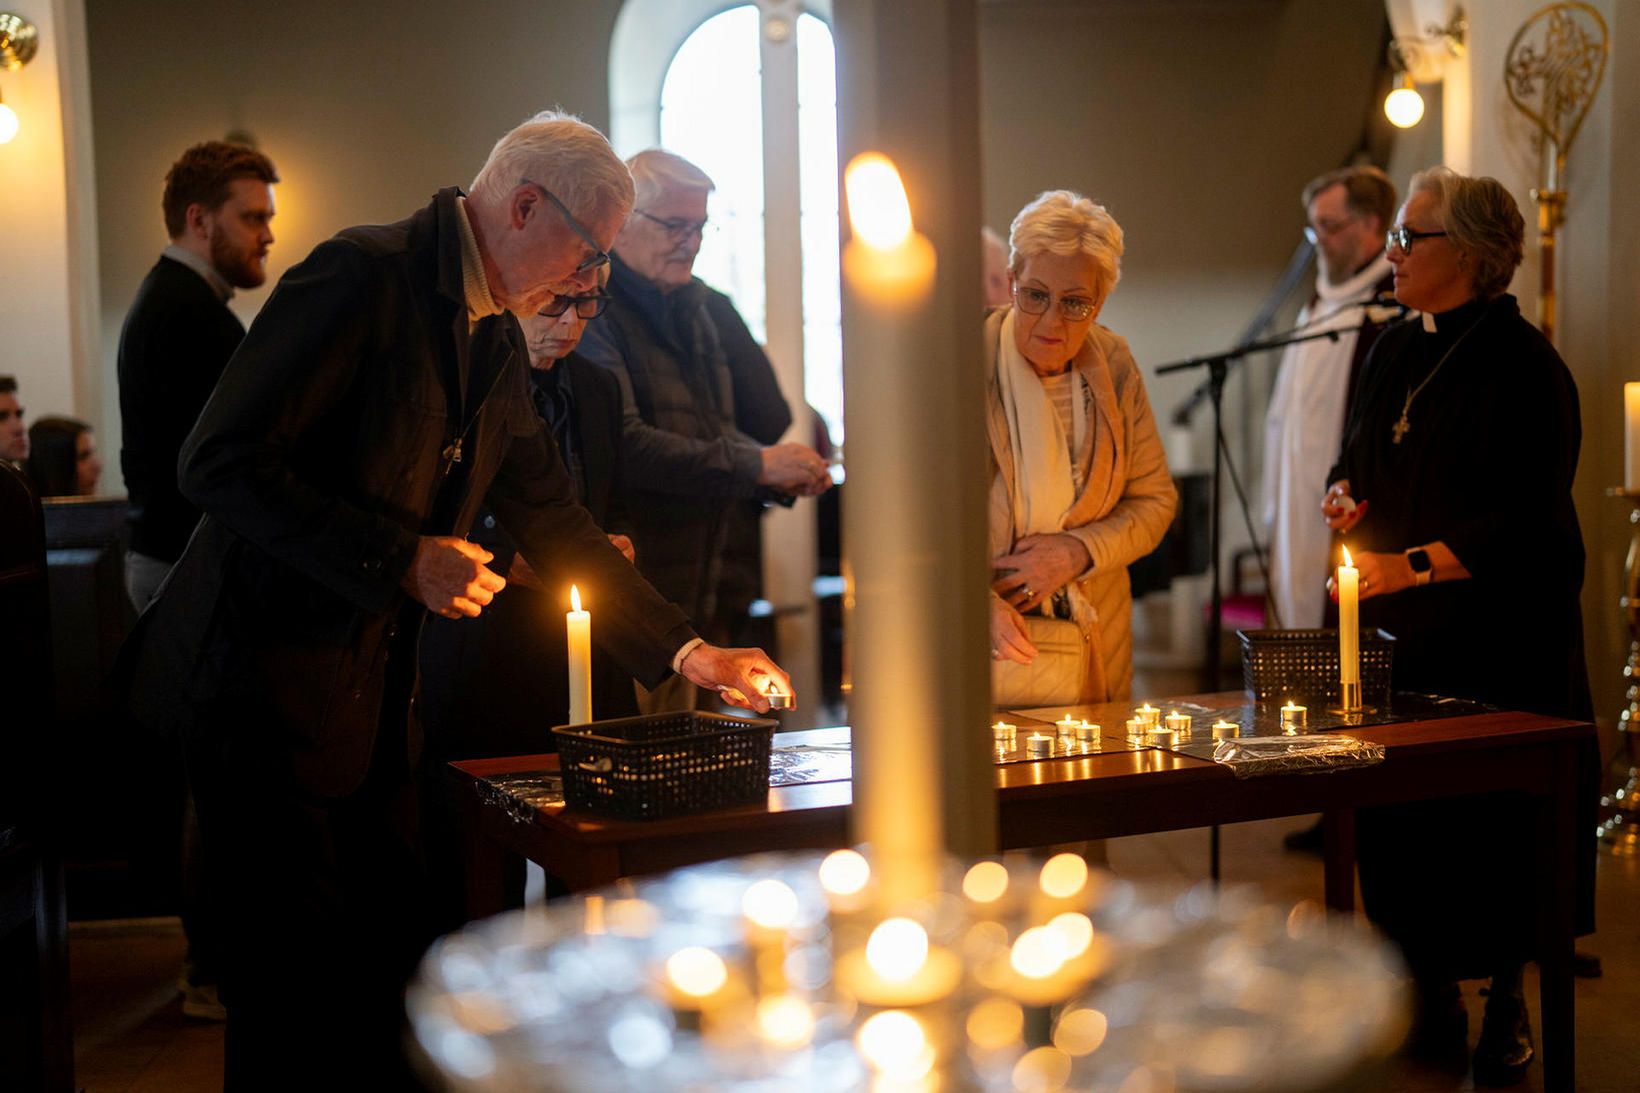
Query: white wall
pixel 47 236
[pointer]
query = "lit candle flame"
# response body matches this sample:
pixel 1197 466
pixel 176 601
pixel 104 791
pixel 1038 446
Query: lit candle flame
pixel 897 949
pixel 574 598
pixel 1347 560
pixel 878 211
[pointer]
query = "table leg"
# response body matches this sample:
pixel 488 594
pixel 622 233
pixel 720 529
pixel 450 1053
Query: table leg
pixel 485 859
pixel 1556 853
pixel 1338 851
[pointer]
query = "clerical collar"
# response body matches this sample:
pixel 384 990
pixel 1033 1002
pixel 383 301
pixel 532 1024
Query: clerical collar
pixel 184 256
pixel 475 287
pixel 1454 319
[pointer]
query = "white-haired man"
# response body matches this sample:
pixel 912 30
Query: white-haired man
pixel 685 458
pixel 376 402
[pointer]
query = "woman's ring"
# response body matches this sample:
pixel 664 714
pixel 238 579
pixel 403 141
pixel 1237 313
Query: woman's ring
pixel 1028 592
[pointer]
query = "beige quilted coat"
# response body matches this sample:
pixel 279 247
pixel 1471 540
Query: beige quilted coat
pixel 1122 512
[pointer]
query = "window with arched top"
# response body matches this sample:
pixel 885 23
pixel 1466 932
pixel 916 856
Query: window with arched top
pixel 749 94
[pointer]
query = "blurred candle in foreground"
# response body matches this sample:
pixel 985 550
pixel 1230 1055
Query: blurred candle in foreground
pixel 1631 436
pixel 579 625
pixel 888 274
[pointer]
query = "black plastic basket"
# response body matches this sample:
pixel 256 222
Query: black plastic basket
pixel 1277 665
pixel 644 768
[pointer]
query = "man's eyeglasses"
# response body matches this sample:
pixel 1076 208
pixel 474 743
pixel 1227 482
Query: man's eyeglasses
pixel 676 229
pixel 1033 301
pixel 1329 228
pixel 1401 238
pixel 587 307
pixel 598 257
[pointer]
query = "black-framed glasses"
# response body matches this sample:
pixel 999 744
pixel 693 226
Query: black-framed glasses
pixel 599 257
pixel 587 307
pixel 1034 301
pixel 676 228
pixel 1401 238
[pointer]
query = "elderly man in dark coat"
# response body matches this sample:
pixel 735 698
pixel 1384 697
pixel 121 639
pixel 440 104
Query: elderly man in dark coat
pixel 688 461
pixel 377 402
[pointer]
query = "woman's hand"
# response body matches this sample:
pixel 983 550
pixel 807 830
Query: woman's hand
pixel 1008 640
pixel 1039 566
pixel 1381 575
pixel 1339 509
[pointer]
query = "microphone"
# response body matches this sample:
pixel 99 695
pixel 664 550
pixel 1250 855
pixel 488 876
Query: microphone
pixel 1385 308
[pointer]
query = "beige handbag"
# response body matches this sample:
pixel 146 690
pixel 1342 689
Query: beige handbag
pixel 1058 675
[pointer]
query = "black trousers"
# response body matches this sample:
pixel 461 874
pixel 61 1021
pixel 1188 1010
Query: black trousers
pixel 325 905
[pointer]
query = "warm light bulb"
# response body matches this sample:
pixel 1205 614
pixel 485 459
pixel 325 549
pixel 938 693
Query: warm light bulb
pixel 770 904
pixel 878 211
pixel 985 882
pixel 1039 952
pixel 844 872
pixel 8 123
pixel 574 598
pixel 1404 107
pixel 894 1043
pixel 897 949
pixel 1063 875
pixel 785 1021
pixel 697 971
pixel 1348 562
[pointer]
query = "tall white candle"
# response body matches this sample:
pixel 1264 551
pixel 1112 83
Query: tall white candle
pixel 1349 621
pixel 888 271
pixel 1631 436
pixel 579 625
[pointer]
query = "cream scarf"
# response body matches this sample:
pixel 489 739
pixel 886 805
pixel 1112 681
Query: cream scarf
pixel 1044 486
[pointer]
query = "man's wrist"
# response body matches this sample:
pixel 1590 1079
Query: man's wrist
pixel 683 653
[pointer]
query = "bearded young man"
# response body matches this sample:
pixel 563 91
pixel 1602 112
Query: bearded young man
pixel 179 334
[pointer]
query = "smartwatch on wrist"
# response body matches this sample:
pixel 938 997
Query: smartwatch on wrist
pixel 1423 570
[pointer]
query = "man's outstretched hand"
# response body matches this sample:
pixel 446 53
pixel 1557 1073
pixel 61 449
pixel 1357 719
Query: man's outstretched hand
pixel 741 676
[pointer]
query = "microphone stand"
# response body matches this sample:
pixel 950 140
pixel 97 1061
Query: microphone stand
pixel 1218 368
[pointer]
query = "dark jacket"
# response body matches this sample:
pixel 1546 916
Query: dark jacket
pixel 319 460
pixel 176 341
pixel 495 685
pixel 685 458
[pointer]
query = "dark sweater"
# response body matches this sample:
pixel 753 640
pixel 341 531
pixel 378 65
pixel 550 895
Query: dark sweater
pixel 176 342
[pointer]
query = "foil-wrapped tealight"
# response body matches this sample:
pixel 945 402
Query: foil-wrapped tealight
pixel 1162 738
pixel 1136 728
pixel 1087 733
pixel 1294 716
pixel 1149 714
pixel 1225 730
pixel 1004 734
pixel 1038 746
pixel 1179 723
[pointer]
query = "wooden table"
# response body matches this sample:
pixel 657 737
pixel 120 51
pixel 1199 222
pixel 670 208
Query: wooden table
pixel 1108 795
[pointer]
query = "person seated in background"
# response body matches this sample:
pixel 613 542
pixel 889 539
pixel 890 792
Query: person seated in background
pixel 686 458
pixel 62 458
pixel 993 252
pixel 1079 481
pixel 13 433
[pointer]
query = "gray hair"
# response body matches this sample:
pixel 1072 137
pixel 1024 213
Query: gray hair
pixel 655 170
pixel 1064 222
pixel 1480 217
pixel 564 154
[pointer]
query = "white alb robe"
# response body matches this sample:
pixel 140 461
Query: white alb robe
pixel 1302 433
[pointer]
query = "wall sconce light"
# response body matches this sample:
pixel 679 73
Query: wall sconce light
pixel 1421 60
pixel 18 42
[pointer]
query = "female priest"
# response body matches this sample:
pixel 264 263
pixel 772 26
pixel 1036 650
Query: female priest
pixel 1454 490
pixel 1079 481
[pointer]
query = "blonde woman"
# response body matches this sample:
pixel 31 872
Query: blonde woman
pixel 1079 482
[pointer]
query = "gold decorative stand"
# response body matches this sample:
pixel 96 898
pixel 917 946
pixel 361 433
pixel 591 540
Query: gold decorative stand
pixel 1620 809
pixel 1551 74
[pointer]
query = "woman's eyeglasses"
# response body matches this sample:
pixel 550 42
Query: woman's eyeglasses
pixel 1033 301
pixel 1401 238
pixel 586 307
